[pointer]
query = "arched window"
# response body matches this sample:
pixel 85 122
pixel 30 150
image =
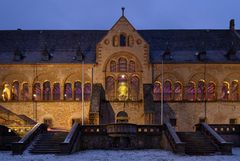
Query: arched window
pixel 225 91
pixel 234 90
pixel 6 93
pixel 123 40
pixel 15 91
pixel 122 65
pixel 131 66
pixel 130 41
pixel 201 90
pixel 211 91
pixel 110 88
pixel 167 90
pixel 46 91
pixel 56 91
pixel 37 91
pixel 78 91
pixel 68 91
pixel 113 66
pixel 191 92
pixel 177 91
pixel 115 40
pixel 157 88
pixel 134 93
pixel 87 91
pixel 25 92
pixel 122 87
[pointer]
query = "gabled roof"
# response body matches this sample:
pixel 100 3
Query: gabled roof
pixel 63 44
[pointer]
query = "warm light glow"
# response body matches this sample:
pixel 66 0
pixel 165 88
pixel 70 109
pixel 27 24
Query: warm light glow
pixel 34 95
pixel 122 76
pixel 228 92
pixel 65 95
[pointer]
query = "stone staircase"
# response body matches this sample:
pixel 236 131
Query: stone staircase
pixel 48 142
pixel 197 143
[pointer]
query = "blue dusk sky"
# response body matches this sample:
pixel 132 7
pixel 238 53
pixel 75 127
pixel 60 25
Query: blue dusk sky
pixel 102 14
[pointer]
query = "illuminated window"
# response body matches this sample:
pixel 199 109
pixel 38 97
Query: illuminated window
pixel 122 40
pixel 37 92
pixel 78 91
pixel 131 66
pixel 56 91
pixel 191 92
pixel 6 93
pixel 167 90
pixel 25 92
pixel 211 91
pixel 122 65
pixel 134 88
pixel 177 91
pixel 225 91
pixel 113 66
pixel 46 91
pixel 157 91
pixel 201 90
pixel 15 91
pixel 234 90
pixel 68 91
pixel 87 91
pixel 110 87
pixel 122 88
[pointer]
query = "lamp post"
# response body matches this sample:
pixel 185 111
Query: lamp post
pixel 162 95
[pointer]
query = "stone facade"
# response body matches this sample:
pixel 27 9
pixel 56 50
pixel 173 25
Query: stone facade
pixel 123 85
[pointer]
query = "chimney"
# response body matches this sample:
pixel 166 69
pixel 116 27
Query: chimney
pixel 232 25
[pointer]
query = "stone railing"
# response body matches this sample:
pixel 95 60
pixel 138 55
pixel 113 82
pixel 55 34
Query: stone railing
pixel 20 146
pixel 177 145
pixel 226 128
pixel 224 147
pixel 149 129
pixel 121 129
pixel 68 146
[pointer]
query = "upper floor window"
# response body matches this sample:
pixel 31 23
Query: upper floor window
pixel 225 91
pixel 211 91
pixel 177 91
pixel 25 92
pixel 167 90
pixel 68 91
pixel 201 90
pixel 56 91
pixel 131 66
pixel 6 93
pixel 113 67
pixel 115 40
pixel 37 91
pixel 87 91
pixel 123 40
pixel 191 91
pixel 234 90
pixel 122 65
pixel 157 91
pixel 110 87
pixel 77 91
pixel 46 91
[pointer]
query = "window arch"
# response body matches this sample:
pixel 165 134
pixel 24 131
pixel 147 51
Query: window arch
pixel 113 66
pixel 110 87
pixel 122 87
pixel 15 91
pixel 6 93
pixel 134 88
pixel 115 40
pixel 78 91
pixel 201 90
pixel 123 40
pixel 167 90
pixel 191 92
pixel 56 91
pixel 211 91
pixel 177 91
pixel 130 41
pixel 87 91
pixel 234 90
pixel 46 91
pixel 68 91
pixel 157 88
pixel 131 66
pixel 25 91
pixel 122 65
pixel 37 91
pixel 225 91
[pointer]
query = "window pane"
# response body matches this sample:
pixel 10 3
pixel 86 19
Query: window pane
pixel 110 88
pixel 87 91
pixel 122 65
pixel 190 92
pixel 167 90
pixel 225 91
pixel 15 91
pixel 56 91
pixel 234 91
pixel 46 91
pixel 78 91
pixel 37 91
pixel 157 91
pixel 68 91
pixel 201 91
pixel 177 91
pixel 211 91
pixel 25 92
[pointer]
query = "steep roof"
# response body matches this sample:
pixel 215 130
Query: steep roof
pixel 62 44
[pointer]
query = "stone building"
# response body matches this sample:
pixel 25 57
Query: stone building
pixel 99 77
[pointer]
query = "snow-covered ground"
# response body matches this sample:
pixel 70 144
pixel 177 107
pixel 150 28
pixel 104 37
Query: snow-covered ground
pixel 121 155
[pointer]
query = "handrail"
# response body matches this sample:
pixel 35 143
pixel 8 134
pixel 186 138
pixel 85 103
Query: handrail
pixel 224 147
pixel 67 146
pixel 21 145
pixel 177 145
